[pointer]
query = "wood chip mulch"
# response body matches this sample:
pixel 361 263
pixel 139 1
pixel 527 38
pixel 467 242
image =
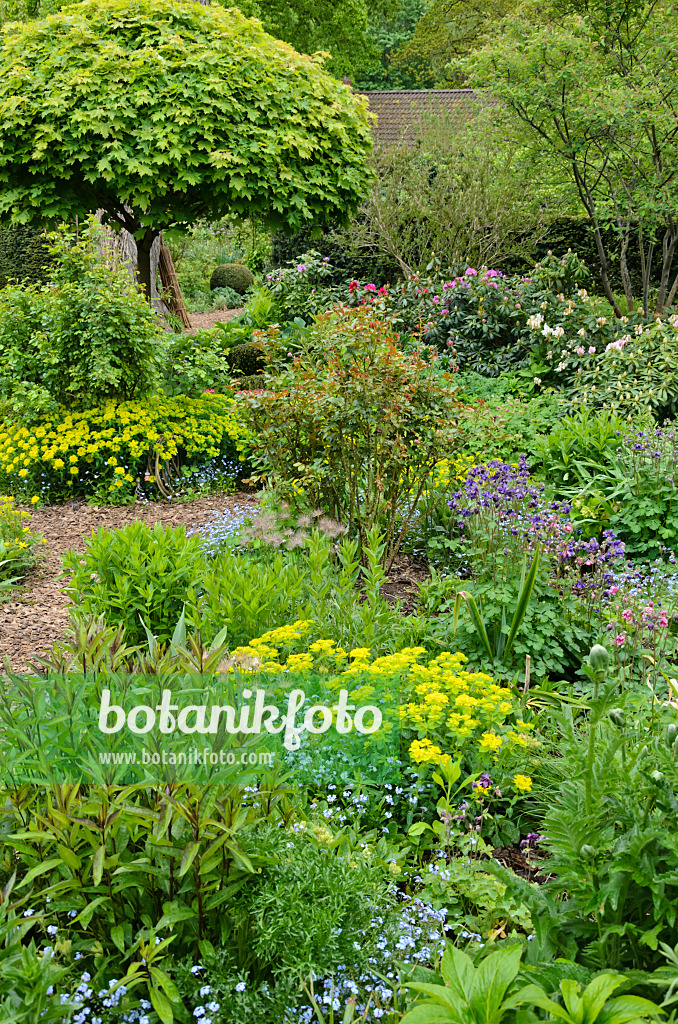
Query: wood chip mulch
pixel 37 615
pixel 199 321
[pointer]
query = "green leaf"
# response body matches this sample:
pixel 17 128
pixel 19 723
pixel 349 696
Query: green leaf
pixel 477 620
pixel 190 853
pixel 118 936
pixel 418 828
pixel 161 1005
pixel 40 869
pixel 491 981
pixel 69 858
pixel 98 865
pixel 523 602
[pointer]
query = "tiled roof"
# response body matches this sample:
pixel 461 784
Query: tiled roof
pixel 400 111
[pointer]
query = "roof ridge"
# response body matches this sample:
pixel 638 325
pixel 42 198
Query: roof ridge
pixel 408 92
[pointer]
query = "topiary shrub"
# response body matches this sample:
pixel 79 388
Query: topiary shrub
pixel 232 275
pixel 246 359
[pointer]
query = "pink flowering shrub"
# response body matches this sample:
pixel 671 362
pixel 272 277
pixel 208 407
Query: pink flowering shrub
pixel 478 319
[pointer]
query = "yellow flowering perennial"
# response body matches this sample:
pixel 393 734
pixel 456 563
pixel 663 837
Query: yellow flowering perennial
pixel 110 442
pixel 443 707
pixel 16 540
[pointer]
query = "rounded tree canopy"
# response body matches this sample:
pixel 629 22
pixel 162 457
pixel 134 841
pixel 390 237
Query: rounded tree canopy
pixel 165 111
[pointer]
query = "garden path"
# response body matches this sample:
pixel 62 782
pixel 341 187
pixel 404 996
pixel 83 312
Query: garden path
pixel 37 615
pixel 217 316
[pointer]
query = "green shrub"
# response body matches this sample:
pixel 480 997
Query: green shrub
pixel 254 382
pixel 24 255
pixel 637 370
pixel 134 573
pixel 226 298
pixel 305 286
pixel 618 477
pixel 577 446
pixel 199 361
pixel 355 424
pixel 89 335
pixel 510 425
pixel 345 256
pixel 479 320
pixel 232 275
pixel 246 359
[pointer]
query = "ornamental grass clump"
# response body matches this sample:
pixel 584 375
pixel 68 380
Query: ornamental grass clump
pixel 355 422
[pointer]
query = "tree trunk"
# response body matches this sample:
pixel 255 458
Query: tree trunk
pixel 668 250
pixel 144 246
pixel 122 244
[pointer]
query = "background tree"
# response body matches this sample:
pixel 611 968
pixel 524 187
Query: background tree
pixel 447 30
pixel 343 29
pixel 391 33
pixel 166 111
pixel 596 90
pixel 457 191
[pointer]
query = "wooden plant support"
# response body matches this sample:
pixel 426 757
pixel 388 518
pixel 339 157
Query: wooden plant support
pixel 171 287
